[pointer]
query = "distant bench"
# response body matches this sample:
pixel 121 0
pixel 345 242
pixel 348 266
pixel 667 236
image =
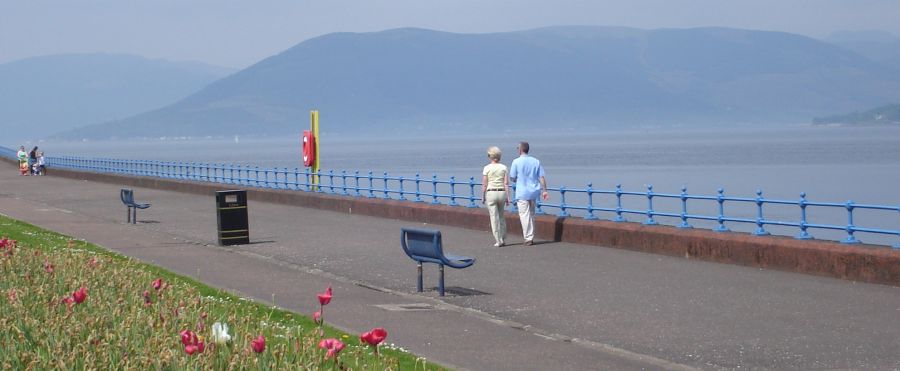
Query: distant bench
pixel 127 196
pixel 424 246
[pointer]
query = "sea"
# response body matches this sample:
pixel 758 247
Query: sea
pixel 828 163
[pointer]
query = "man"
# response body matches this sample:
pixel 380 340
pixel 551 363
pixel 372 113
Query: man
pixel 527 173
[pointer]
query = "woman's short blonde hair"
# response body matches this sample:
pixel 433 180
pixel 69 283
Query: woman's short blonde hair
pixel 494 153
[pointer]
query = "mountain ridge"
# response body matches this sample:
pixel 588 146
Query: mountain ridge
pixel 576 76
pixel 44 94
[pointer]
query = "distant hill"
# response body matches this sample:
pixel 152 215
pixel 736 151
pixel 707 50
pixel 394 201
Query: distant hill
pixel 879 46
pixel 568 78
pixel 43 95
pixel 889 114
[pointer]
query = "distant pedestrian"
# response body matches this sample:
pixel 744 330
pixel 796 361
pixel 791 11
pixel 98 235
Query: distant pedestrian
pixel 32 159
pixel 23 160
pixel 40 166
pixel 495 194
pixel 528 174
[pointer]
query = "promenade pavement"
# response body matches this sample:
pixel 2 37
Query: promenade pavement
pixel 548 306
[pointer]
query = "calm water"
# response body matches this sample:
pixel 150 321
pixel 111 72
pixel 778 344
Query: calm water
pixel 831 164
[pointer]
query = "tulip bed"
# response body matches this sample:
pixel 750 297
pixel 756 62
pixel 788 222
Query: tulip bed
pixel 71 305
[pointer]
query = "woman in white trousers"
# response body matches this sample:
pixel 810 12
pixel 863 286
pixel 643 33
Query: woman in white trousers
pixel 495 194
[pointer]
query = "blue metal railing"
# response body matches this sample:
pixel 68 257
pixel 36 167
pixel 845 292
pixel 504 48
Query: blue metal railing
pixel 466 193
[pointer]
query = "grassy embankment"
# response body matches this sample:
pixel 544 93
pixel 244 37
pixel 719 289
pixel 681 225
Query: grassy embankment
pixel 122 319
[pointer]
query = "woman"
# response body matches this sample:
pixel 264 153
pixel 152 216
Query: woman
pixel 23 161
pixel 495 194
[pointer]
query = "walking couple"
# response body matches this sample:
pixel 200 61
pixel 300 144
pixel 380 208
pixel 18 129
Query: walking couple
pixel 528 175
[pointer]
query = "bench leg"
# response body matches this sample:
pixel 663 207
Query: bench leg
pixel 419 281
pixel 441 281
pixel 128 214
pixel 134 215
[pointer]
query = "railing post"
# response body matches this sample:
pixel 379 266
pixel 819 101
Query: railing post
pixel 619 218
pixel 850 227
pixel 650 220
pixel 418 191
pixel 804 235
pixel 266 178
pixel 472 203
pixel 331 181
pixel 562 202
pixel 760 221
pixel 897 245
pixel 371 186
pixel 453 191
pixel 434 193
pixel 344 182
pixel 590 208
pixel 402 198
pixel 385 179
pixel 356 176
pixel 720 198
pixel 684 215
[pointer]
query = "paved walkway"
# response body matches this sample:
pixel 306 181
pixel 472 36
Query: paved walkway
pixel 549 306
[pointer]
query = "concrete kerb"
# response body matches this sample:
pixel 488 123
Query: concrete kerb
pixel 866 263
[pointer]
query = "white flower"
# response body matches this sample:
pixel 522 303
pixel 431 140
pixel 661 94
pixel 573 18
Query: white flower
pixel 220 333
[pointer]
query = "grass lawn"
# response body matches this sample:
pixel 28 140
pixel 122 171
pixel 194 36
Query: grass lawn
pixel 69 304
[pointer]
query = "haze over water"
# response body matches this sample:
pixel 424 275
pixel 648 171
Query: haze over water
pixel 830 164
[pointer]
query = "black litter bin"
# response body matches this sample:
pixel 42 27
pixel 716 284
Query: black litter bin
pixel 231 212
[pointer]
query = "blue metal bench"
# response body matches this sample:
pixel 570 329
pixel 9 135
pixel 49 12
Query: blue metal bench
pixel 127 196
pixel 424 246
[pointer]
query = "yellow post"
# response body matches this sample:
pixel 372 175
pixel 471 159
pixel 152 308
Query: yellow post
pixel 314 127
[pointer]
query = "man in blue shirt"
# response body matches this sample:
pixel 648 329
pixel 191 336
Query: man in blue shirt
pixel 528 174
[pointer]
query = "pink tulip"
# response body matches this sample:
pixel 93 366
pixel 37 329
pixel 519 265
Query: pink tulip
pixel 79 295
pixel 374 337
pixel 325 298
pixel 68 300
pixel 258 344
pixel 12 295
pixel 334 346
pixel 317 316
pixel 48 267
pixel 93 262
pixel 157 284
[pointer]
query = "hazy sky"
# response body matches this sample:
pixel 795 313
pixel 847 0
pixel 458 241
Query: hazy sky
pixel 236 33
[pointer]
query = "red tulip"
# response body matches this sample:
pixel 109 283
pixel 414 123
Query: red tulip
pixel 334 347
pixel 188 337
pixel 12 295
pixel 157 284
pixel 147 300
pixel 317 316
pixel 93 262
pixel 258 344
pixel 191 349
pixel 192 343
pixel 325 298
pixel 374 337
pixel 79 295
pixel 68 300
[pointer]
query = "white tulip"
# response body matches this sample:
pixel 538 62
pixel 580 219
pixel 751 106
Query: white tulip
pixel 220 333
